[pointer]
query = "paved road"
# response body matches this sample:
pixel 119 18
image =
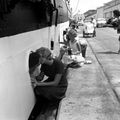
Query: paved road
pixel 108 38
pixel 90 95
pixel 105 47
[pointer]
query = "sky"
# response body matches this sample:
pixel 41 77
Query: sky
pixel 84 5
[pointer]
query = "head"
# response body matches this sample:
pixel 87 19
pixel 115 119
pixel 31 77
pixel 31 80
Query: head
pixel 116 13
pixel 66 29
pixel 91 19
pixel 33 61
pixel 44 53
pixel 73 26
pixel 72 35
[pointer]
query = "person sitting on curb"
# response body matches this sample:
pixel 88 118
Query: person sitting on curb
pixel 75 46
pixel 54 87
pixel 78 46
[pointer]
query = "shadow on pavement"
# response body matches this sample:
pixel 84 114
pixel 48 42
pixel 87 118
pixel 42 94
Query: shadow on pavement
pixel 107 52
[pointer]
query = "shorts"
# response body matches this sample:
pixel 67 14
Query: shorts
pixel 51 93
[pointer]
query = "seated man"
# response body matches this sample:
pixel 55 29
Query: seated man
pixel 54 87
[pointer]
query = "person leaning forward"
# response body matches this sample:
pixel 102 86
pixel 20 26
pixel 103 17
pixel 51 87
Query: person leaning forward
pixel 55 86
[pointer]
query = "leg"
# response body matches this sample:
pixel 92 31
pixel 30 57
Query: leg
pixel 119 45
pixel 83 47
pixel 35 111
pixel 39 106
pixel 94 33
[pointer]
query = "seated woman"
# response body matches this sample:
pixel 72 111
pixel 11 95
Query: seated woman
pixel 54 87
pixel 75 46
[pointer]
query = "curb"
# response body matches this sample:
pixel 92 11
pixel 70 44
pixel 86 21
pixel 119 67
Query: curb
pixel 115 87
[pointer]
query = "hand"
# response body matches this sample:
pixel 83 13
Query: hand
pixel 35 84
pixel 33 80
pixel 40 76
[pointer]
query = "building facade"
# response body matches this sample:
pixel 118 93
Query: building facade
pixel 78 17
pixel 109 7
pixel 89 14
pixel 105 11
pixel 100 13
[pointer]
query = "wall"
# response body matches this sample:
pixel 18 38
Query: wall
pixel 16 94
pixel 22 30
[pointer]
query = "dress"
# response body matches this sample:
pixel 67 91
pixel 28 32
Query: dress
pixel 53 92
pixel 75 46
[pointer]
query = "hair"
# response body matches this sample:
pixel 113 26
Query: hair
pixel 116 13
pixel 64 32
pixel 72 33
pixel 33 61
pixel 92 18
pixel 44 52
pixel 73 26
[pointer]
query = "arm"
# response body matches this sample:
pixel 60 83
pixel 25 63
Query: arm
pixel 78 47
pixel 53 83
pixel 40 76
pixel 58 69
pixel 62 52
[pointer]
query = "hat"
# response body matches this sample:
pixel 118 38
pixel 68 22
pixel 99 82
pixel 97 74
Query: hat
pixel 44 52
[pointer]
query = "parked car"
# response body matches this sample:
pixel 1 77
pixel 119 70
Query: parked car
pixel 88 29
pixel 109 22
pixel 101 22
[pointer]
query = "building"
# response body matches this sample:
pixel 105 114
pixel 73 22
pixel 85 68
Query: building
pixel 105 11
pixel 100 13
pixel 110 7
pixel 78 17
pixel 90 13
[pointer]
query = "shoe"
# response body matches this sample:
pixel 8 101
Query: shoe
pixel 88 62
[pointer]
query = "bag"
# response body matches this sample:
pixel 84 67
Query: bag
pixel 78 58
pixel 83 41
